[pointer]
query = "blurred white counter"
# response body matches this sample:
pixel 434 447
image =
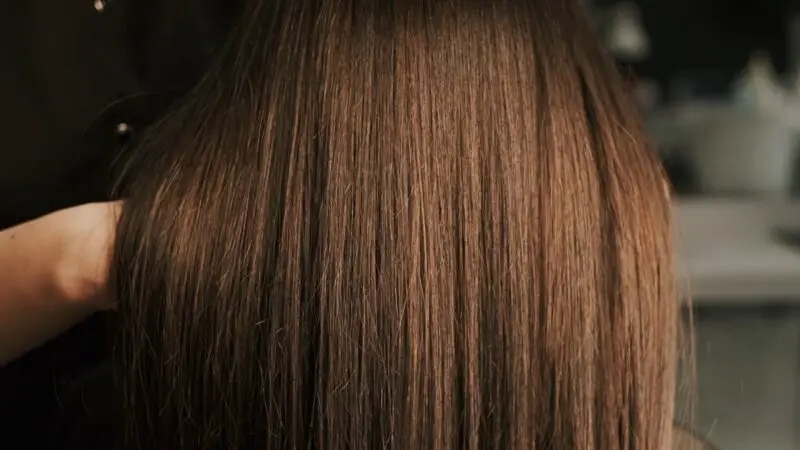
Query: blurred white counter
pixel 729 254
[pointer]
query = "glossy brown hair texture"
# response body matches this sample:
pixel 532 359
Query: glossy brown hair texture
pixel 399 224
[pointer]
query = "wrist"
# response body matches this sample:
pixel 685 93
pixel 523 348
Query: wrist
pixel 82 272
pixel 74 286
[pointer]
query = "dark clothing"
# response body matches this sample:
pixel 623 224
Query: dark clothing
pixel 88 415
pixel 80 79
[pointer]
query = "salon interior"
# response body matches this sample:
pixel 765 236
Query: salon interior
pixel 719 84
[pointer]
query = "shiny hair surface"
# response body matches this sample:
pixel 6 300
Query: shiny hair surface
pixel 399 224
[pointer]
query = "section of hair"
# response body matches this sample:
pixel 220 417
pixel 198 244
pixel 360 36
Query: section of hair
pixel 402 225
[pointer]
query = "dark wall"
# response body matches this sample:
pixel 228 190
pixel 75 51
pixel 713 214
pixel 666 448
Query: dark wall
pixel 712 36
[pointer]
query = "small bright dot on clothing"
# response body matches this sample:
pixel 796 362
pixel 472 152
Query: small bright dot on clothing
pixel 123 128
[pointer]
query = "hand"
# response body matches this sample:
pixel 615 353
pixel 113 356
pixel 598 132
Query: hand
pixel 88 241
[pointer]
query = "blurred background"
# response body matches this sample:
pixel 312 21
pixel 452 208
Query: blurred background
pixel 719 84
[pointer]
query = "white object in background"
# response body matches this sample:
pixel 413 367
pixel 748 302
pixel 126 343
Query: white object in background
pixel 744 151
pixel 749 147
pixel 792 104
pixel 758 87
pixel 626 37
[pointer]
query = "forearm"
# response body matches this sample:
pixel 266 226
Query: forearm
pixel 35 305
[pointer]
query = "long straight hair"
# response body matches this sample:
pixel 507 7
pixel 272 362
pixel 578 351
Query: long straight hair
pixel 399 224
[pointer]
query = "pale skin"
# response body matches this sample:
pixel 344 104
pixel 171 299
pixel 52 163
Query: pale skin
pixel 53 274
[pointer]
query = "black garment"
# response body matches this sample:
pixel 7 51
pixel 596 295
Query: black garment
pixel 78 80
pixel 88 416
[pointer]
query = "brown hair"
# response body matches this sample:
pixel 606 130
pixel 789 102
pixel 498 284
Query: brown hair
pixel 399 224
